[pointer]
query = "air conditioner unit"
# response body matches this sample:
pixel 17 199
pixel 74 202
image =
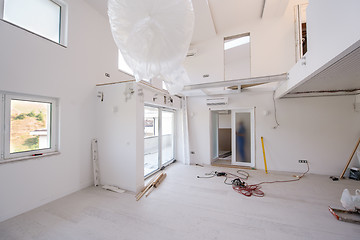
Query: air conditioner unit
pixel 217 101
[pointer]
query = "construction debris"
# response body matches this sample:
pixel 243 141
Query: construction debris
pixel 346 216
pixel 154 183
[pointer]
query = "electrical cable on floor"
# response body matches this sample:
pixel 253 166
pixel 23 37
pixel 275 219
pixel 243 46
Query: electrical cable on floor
pixel 240 186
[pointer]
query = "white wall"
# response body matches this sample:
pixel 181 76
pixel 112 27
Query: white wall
pixel 272 49
pixel 323 130
pixel 225 120
pixel 30 64
pixel 120 132
pixel 116 134
pixel 237 62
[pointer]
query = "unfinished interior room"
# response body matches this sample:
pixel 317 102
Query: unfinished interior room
pixel 179 119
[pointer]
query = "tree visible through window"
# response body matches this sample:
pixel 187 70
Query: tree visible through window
pixel 29 126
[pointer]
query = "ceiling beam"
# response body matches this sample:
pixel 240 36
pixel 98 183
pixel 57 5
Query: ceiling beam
pixel 263 9
pixel 244 81
pixel 274 8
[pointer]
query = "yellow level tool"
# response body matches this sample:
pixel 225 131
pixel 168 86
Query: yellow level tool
pixel 262 142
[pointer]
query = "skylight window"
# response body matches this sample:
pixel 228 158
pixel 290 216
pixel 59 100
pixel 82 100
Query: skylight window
pixel 123 66
pixel 236 42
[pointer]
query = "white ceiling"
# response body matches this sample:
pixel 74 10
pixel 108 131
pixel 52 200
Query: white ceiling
pixel 212 16
pixel 228 14
pixel 99 5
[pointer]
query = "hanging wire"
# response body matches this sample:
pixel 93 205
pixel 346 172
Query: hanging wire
pixel 275 113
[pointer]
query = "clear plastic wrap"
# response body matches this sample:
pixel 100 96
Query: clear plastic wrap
pixel 347 200
pixel 153 36
pixel 350 202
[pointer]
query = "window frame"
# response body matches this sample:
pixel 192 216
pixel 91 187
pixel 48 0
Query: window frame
pixel 299 49
pixel 63 22
pixel 5 111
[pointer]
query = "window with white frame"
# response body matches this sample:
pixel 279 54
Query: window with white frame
pixel 29 125
pixel 46 18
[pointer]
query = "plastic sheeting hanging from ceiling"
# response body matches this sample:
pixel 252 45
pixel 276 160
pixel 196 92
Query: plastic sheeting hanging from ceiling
pixel 153 37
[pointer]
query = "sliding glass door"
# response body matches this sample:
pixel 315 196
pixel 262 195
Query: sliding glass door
pixel 168 137
pixel 159 138
pixel 151 140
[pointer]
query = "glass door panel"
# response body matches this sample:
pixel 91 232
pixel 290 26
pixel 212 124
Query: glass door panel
pixel 167 129
pixel 151 140
pixel 243 135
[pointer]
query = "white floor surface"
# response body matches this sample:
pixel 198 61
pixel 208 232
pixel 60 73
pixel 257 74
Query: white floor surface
pixel 185 207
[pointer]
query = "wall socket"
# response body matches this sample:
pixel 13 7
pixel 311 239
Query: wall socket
pixel 303 161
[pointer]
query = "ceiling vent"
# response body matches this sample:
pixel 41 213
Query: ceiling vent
pixel 217 101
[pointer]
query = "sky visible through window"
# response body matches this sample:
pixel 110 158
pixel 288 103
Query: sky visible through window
pixel 38 16
pixel 236 42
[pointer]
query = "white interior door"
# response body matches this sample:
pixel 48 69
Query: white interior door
pixel 243 137
pixel 214 135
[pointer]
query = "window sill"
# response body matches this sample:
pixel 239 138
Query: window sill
pixel 8 160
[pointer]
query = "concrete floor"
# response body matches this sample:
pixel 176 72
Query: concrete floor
pixel 185 207
pixel 151 160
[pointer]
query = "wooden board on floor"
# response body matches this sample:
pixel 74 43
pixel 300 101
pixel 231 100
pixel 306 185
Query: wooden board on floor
pixel 231 166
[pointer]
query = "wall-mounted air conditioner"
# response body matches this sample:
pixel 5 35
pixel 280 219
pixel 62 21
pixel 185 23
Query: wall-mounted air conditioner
pixel 217 101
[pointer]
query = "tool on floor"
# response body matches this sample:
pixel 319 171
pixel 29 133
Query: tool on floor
pixel 334 178
pixel 154 183
pixel 263 148
pixel 345 216
pixel 354 174
pixel 351 157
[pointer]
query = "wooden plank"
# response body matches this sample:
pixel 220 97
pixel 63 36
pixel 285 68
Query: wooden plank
pixel 352 155
pixel 149 186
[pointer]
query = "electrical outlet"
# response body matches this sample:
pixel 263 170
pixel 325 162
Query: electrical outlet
pixel 303 161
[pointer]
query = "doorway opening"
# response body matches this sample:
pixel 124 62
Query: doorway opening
pixel 232 137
